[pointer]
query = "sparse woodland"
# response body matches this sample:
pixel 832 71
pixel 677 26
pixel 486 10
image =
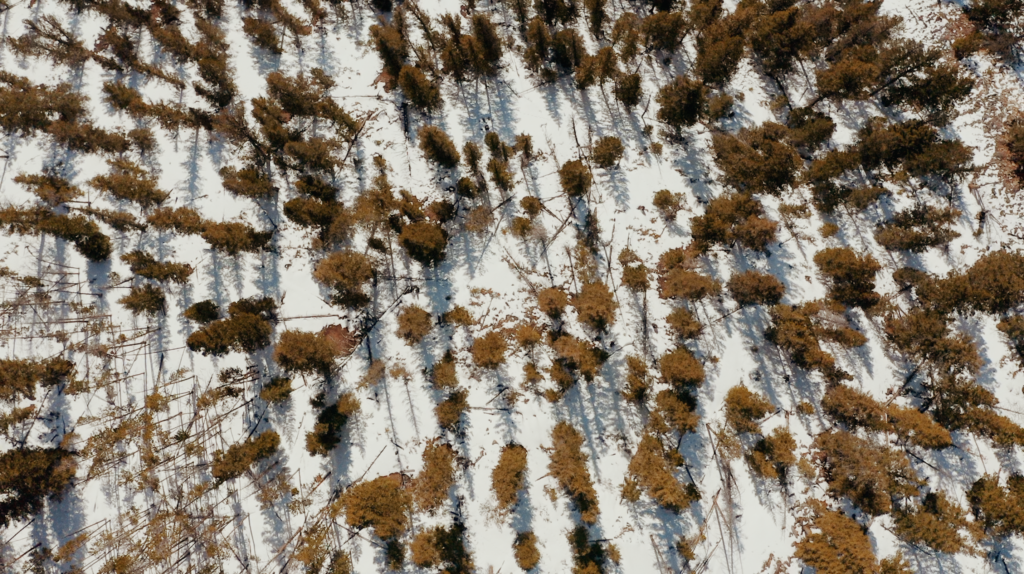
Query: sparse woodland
pixel 556 286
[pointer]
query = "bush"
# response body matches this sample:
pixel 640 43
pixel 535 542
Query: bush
pixel 442 548
pixel 240 457
pixel 424 242
pixel 525 550
pixel 569 467
pixel 731 219
pixel 757 160
pixel 203 312
pixel 381 504
pixel 653 473
pixel 607 152
pixel 667 203
pixel 30 475
pixel 917 229
pixel 772 455
pixel 148 299
pixel 347 272
pixel 449 411
pixel 438 147
pixel 755 288
pixel 430 488
pixel 682 102
pixel 414 323
pixel 851 278
pixel 870 476
pixel 744 408
pixel 595 306
pixel 575 178
pixel 509 476
pixel 684 324
pixel 681 369
pixel 832 543
pixel 489 350
pixel 305 353
pixel 936 523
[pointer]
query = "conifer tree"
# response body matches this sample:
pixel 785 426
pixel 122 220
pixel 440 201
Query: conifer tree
pixel 683 102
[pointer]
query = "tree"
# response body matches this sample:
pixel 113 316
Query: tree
pixel 239 458
pixel 305 353
pixel 850 277
pixel 575 178
pixel 683 323
pixel 524 548
pixel 1013 139
pixel 683 102
pixel 430 488
pixel 443 548
pixel 147 298
pixel 628 90
pixel 421 91
pixel 595 305
pixel 870 476
pixel 509 476
pixel 663 31
pixel 347 272
pixel 381 504
pixel 997 508
pixel 438 147
pixel 424 242
pixel 130 182
pixel 720 49
pixel 246 330
pixel 250 182
pixel 936 523
pixel 757 160
pixel 145 265
pixel 686 284
pixel 755 288
pixel 414 323
pixel 854 409
pixel 809 128
pixel 30 475
pixel 569 467
pixel 552 301
pixel 744 408
pixel 917 229
pixel 798 329
pixel 489 350
pixel 652 472
pixel 730 219
pixel 772 455
pixel 203 312
pixel 234 237
pixel 833 543
pixel 449 411
pixel 607 152
pixel 681 369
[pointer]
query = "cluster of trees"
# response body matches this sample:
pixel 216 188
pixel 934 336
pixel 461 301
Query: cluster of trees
pixel 246 329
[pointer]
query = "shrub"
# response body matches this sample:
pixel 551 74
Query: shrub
pixel 30 475
pixel 509 476
pixel 430 488
pixel 744 408
pixel 449 411
pixel 381 504
pixel 414 323
pixel 234 237
pixel 854 409
pixel 755 288
pixel 424 242
pixel 552 301
pixel 832 543
pixel 305 353
pixel 239 458
pixel 757 160
pixel 203 312
pixel 442 548
pixel 525 550
pixel 145 265
pixel 683 102
pixel 851 277
pixel 148 299
pixel 575 178
pixel 917 229
pixel 438 147
pixel 595 305
pixel 489 350
pixel 870 476
pixel 569 467
pixel 936 523
pixel 421 91
pixel 347 272
pixel 731 219
pixel 681 369
pixel 772 455
pixel 652 472
pixel 667 203
pixel 607 152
